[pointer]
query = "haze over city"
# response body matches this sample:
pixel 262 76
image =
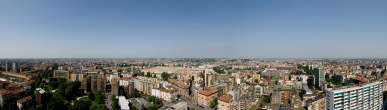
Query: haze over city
pixel 198 28
pixel 193 55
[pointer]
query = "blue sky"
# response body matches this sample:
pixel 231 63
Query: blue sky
pixel 193 28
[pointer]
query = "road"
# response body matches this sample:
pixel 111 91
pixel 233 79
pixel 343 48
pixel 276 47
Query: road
pixel 108 101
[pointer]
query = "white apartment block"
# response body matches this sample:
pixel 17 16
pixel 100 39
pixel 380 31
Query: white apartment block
pixel 364 97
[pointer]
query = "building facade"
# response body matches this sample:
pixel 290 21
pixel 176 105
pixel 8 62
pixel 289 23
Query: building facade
pixel 364 97
pixel 224 102
pixel 206 95
pixel 316 103
pixel 319 77
pixel 94 83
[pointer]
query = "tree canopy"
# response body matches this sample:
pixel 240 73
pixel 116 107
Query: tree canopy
pixel 165 76
pixel 213 103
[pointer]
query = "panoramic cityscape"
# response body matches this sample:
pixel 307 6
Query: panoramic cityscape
pixel 192 83
pixel 193 55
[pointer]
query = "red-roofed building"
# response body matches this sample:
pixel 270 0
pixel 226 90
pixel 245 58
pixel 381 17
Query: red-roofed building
pixel 24 102
pixel 182 89
pixel 206 95
pixel 224 102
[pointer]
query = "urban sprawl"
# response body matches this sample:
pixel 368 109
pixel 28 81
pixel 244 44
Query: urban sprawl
pixel 192 84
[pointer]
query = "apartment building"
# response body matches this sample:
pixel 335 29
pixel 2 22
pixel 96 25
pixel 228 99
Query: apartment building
pixel 224 102
pixel 62 74
pixel 366 97
pixel 319 77
pixel 94 83
pixel 168 94
pixel 145 85
pixel 316 103
pixel 206 95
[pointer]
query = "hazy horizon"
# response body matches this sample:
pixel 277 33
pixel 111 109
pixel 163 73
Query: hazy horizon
pixel 193 29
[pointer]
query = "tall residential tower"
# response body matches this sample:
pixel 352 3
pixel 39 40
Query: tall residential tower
pixel 319 77
pixel 364 97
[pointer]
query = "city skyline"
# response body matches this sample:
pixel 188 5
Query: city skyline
pixel 198 29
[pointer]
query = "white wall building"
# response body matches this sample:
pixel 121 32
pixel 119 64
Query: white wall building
pixel 156 93
pixel 124 104
pixel 364 97
pixel 124 82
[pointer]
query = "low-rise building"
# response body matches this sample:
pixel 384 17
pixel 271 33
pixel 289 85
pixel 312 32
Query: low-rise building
pixel 24 102
pixel 61 74
pixel 168 94
pixel 317 103
pixel 145 85
pixel 156 93
pixel 206 95
pixel 181 87
pixel 123 103
pixel 76 77
pixel 224 102
pixel 40 95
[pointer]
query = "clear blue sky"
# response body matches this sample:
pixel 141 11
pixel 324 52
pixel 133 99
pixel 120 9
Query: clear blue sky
pixel 193 28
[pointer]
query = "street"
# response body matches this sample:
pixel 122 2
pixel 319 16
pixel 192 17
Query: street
pixel 108 100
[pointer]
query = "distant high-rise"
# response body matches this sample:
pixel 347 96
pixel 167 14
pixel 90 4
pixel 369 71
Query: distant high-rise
pixel 364 97
pixel 14 67
pixel 208 78
pixel 319 77
pixel 6 67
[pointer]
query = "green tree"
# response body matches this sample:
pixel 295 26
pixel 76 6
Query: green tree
pixel 99 98
pixel 156 103
pixel 218 70
pixel 132 107
pixel 10 106
pixel 82 104
pixel 91 96
pixel 57 103
pixel 252 107
pixel 267 99
pixel 137 93
pixel 165 76
pixel 256 81
pixel 148 74
pixel 96 106
pixel 115 105
pixel 213 103
pixel 151 99
pixel 2 69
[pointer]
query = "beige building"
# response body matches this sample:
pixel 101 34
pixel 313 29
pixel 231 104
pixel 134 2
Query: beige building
pixel 76 77
pixel 317 103
pixel 206 95
pixel 168 94
pixel 145 85
pixel 224 102
pixel 276 97
pixel 62 74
